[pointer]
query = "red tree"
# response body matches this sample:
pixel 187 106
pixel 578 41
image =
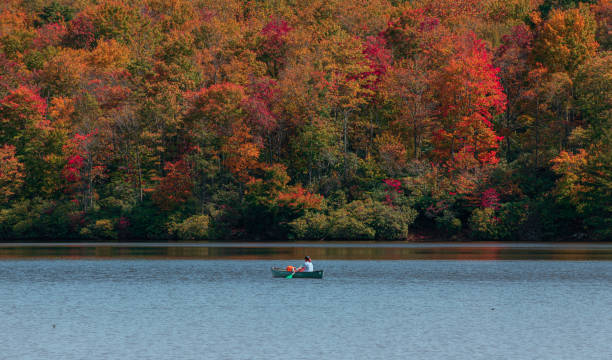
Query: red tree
pixel 83 168
pixel 174 188
pixel 49 35
pixel 80 34
pixel 379 60
pixel 274 45
pixel 470 95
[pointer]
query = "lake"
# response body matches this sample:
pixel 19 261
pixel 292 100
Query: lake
pixel 161 303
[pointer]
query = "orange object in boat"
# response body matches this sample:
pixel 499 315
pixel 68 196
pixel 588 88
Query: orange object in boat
pixel 290 268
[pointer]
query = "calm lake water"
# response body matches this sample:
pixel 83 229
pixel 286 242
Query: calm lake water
pixel 133 308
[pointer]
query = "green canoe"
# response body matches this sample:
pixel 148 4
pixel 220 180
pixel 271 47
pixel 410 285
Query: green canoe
pixel 279 272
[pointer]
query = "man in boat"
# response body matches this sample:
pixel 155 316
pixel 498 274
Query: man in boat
pixel 307 265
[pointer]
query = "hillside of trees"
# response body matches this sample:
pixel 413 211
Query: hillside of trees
pixel 306 119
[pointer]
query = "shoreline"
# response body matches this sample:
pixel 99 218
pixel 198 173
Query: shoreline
pixel 321 244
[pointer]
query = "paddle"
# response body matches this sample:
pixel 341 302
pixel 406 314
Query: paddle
pixel 290 275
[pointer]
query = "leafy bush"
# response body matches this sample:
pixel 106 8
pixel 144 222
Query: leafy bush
pixel 193 228
pixel 484 224
pixel 35 219
pixel 498 224
pixel 388 222
pixel 360 219
pixel 347 225
pixel 102 229
pixel 147 222
pixel 312 226
pixel 448 222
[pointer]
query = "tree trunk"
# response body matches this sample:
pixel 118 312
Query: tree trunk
pixel 508 135
pixel 90 185
pixel 138 163
pixel 537 132
pixel 345 127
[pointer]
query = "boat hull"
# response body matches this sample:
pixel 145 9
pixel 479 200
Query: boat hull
pixel 278 272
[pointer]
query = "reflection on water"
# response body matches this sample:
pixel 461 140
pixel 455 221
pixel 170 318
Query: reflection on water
pixel 322 251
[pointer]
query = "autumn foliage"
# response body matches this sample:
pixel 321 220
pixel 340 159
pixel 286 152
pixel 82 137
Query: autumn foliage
pixel 11 172
pixel 258 120
pixel 174 188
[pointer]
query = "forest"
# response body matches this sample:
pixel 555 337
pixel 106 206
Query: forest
pixel 306 120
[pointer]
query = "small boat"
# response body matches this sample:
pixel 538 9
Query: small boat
pixel 280 272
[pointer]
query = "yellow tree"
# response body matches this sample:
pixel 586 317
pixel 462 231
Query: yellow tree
pixel 11 172
pixel 602 11
pixel 408 88
pixel 344 64
pixel 566 39
pixel 217 119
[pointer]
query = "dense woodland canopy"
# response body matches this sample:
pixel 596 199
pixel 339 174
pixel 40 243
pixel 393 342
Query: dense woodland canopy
pixel 306 119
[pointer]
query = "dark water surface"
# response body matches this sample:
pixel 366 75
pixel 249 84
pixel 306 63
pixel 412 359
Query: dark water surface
pixel 318 250
pixel 132 308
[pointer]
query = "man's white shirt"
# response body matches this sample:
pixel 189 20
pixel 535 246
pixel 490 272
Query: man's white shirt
pixel 307 266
